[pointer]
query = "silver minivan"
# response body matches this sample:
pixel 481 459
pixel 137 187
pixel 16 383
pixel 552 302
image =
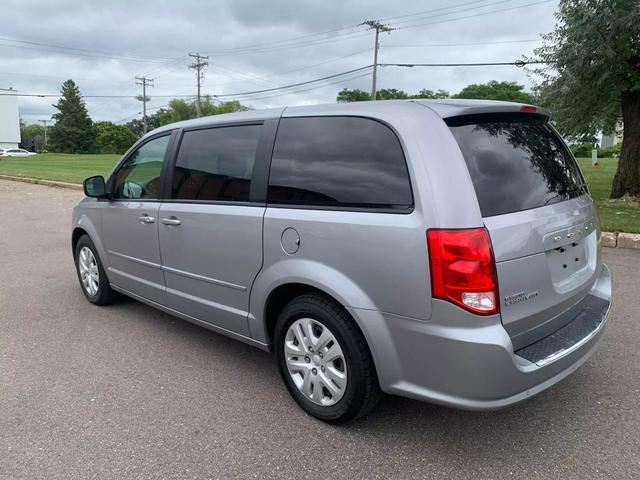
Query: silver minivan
pixel 446 251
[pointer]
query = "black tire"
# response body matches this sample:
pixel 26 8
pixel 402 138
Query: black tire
pixel 104 295
pixel 362 391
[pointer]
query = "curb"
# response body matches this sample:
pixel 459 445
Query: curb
pixel 621 240
pixel 38 181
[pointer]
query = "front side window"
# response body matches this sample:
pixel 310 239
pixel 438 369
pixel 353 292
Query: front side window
pixel 338 161
pixel 139 175
pixel 216 164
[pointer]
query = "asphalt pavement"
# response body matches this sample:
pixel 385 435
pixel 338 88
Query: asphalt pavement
pixel 128 392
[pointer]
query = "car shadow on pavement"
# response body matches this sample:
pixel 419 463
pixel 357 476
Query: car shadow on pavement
pixel 549 422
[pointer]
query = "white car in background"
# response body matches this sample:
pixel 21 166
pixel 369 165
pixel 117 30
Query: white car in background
pixel 16 152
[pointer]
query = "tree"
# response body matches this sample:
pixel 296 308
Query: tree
pixel 593 77
pixel 209 108
pixel 430 94
pixel 494 90
pixel 391 94
pixel 357 95
pixel 136 125
pixel 177 111
pixel 180 109
pixel 352 95
pixel 72 131
pixel 32 133
pixel 112 138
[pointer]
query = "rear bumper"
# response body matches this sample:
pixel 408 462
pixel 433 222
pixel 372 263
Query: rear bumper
pixel 446 361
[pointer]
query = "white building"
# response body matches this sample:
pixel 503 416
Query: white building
pixel 610 140
pixel 9 119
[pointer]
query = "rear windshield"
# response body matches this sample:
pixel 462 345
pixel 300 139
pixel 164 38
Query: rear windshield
pixel 516 162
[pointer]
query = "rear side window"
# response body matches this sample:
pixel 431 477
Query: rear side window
pixel 338 161
pixel 216 164
pixel 516 162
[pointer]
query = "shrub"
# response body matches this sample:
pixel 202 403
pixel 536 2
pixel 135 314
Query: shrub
pixel 582 149
pixel 610 151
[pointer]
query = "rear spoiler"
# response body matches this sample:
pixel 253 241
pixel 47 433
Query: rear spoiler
pixel 448 109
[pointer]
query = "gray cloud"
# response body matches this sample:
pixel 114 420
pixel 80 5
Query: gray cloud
pixel 119 40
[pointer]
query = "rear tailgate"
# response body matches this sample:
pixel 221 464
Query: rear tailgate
pixel 541 220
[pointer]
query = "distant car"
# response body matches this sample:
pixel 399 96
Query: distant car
pixel 16 152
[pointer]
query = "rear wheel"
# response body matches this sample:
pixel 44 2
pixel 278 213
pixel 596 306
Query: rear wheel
pixel 91 274
pixel 324 360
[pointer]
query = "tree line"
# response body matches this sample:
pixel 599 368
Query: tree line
pixel 493 90
pixel 74 131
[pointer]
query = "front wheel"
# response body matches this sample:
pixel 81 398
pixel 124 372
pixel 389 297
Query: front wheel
pixel 91 274
pixel 324 360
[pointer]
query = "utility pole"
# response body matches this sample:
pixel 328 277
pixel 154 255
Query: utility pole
pixel 44 122
pixel 144 82
pixel 198 65
pixel 378 27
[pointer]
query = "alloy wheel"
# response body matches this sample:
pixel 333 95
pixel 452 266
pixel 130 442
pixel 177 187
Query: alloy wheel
pixel 88 267
pixel 315 361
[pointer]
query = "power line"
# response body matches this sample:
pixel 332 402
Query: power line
pixel 284 41
pixel 63 47
pixel 340 34
pixel 348 36
pixel 57 95
pixel 306 67
pixel 293 84
pixel 348 33
pixel 431 10
pixel 135 114
pixel 469 44
pixel 516 63
pixel 301 90
pixel 444 14
pixel 88 55
pixel 288 44
pixel 476 14
pixel 104 80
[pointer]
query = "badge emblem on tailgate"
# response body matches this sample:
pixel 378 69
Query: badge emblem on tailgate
pixel 519 297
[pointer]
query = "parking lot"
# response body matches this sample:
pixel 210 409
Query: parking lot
pixel 128 392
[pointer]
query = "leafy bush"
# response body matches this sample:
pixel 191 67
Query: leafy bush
pixel 582 149
pixel 610 151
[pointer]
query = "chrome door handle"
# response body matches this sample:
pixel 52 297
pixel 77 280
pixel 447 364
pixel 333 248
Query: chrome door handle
pixel 171 221
pixel 144 218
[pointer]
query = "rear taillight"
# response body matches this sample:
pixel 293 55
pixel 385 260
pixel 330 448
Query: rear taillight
pixel 463 269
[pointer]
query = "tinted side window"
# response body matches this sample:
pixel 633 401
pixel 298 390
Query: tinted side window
pixel 216 164
pixel 516 162
pixel 338 161
pixel 139 175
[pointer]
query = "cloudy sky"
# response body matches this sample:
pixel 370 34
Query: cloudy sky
pixel 255 45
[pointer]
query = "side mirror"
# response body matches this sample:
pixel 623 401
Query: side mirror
pixel 95 187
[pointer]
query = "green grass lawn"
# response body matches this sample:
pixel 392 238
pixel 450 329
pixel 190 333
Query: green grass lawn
pixel 615 216
pixel 62 167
